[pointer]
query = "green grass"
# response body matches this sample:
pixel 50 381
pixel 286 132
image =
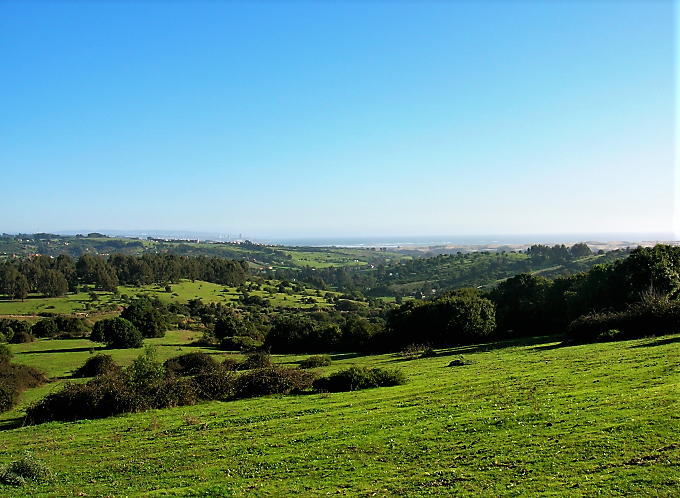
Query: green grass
pixel 180 292
pixel 526 419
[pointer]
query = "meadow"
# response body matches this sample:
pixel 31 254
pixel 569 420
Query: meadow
pixel 523 418
pixel 180 292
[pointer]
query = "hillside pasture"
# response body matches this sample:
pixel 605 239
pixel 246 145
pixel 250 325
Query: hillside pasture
pixel 524 418
pixel 180 292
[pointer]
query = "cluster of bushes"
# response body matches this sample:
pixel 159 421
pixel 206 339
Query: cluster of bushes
pixel 296 333
pixel 646 318
pixel 185 380
pixel 355 378
pixel 315 362
pixel 586 305
pixel 462 316
pixel 57 327
pixel 15 379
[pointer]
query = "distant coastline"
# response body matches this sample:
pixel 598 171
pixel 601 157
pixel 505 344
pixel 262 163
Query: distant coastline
pixel 599 240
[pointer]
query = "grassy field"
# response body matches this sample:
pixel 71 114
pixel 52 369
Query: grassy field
pixel 180 292
pixel 524 419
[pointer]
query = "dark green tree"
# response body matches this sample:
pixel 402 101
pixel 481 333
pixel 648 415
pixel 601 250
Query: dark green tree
pixel 117 333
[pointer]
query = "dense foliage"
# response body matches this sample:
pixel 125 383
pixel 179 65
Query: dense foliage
pixel 15 379
pixel 53 277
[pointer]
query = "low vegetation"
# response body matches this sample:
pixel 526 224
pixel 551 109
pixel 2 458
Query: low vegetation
pixel 316 361
pixel 15 379
pixel 356 377
pixel 24 470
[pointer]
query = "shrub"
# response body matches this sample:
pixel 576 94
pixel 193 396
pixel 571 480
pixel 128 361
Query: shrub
pixel 240 343
pixel 15 379
pixel 256 360
pixel 141 386
pixel 456 317
pixel 414 351
pixel 100 364
pixel 22 338
pixel 145 370
pixel 216 384
pixel 5 353
pixel 272 380
pixel 175 392
pixel 202 342
pixel 191 364
pixel 316 361
pixel 75 327
pixel 97 398
pixel 651 317
pixel 355 378
pixel 610 335
pixel 28 468
pixel 230 365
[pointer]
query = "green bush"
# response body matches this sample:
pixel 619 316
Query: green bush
pixel 355 378
pixel 5 352
pixel 22 338
pixel 15 379
pixel 240 343
pixel 316 361
pixel 256 360
pixel 100 364
pixel 28 468
pixel 191 364
pixel 272 380
pixel 652 317
pixel 217 384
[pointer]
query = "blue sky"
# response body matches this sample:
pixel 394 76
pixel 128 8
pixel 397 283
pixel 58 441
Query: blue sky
pixel 338 119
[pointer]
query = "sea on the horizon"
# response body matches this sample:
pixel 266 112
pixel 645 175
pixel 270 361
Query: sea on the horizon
pixel 463 240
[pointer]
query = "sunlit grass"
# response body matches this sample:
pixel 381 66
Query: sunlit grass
pixel 527 419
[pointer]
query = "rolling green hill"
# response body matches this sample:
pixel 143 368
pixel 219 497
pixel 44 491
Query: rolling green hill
pixel 526 418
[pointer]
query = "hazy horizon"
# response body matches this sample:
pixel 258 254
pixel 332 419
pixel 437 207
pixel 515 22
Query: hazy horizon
pixel 387 240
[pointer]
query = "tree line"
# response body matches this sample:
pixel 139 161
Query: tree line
pixel 53 277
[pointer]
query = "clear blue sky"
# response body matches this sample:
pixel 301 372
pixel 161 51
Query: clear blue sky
pixel 338 119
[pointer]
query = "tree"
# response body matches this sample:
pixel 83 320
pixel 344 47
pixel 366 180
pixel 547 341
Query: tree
pixel 148 320
pixel 13 283
pixel 45 328
pixel 462 316
pixel 580 250
pixel 52 284
pixel 651 269
pixel 117 333
pixel 96 271
pixel 520 304
pixel 231 326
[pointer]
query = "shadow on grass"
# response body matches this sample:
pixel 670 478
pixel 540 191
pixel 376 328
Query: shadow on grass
pixel 658 342
pixel 11 423
pixel 541 343
pixel 64 350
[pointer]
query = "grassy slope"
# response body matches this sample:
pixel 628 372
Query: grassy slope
pixel 181 292
pixel 531 420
